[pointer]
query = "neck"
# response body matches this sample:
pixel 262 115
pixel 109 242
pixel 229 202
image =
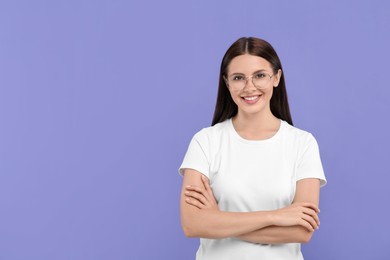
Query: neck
pixel 256 121
pixel 256 126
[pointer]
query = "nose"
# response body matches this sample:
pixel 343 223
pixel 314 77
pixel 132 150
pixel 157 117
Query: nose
pixel 249 83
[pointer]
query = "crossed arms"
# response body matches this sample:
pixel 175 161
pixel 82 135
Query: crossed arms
pixel 201 217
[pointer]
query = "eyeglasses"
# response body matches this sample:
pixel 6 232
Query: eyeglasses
pixel 238 81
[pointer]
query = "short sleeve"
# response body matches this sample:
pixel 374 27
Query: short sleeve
pixel 197 155
pixel 309 164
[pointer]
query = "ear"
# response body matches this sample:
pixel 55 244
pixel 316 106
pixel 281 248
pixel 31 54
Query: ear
pixel 277 77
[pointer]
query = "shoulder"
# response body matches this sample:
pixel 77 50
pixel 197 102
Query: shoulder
pixel 212 132
pixel 298 135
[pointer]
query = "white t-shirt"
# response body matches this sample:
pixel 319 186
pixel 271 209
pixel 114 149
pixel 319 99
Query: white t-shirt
pixel 247 175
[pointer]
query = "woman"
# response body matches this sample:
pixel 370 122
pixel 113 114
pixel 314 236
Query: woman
pixel 251 181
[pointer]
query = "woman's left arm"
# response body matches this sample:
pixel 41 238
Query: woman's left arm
pixel 307 190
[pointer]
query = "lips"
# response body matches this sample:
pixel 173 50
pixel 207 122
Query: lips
pixel 251 98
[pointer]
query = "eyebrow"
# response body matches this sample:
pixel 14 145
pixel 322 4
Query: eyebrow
pixel 257 71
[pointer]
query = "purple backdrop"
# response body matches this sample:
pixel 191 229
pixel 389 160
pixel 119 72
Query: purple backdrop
pixel 99 100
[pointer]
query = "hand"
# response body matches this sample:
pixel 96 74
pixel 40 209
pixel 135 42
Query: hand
pixel 303 214
pixel 201 197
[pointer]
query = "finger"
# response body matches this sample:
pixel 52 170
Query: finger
pixel 306 225
pixel 210 196
pixel 195 188
pixel 311 221
pixel 317 219
pixel 195 203
pixel 207 187
pixel 197 196
pixel 312 206
pixel 308 205
pixel 312 214
pixel 206 183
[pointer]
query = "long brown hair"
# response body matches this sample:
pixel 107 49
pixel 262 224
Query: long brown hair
pixel 225 107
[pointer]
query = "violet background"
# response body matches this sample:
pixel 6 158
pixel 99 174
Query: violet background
pixel 99 100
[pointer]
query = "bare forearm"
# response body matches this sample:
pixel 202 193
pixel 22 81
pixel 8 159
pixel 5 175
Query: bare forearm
pixel 278 235
pixel 218 224
pixel 201 217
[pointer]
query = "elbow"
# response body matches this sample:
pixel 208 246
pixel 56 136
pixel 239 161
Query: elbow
pixel 192 231
pixel 188 231
pixel 188 225
pixel 196 226
pixel 190 228
pixel 306 237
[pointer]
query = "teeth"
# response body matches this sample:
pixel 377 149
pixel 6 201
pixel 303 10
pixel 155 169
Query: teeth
pixel 250 98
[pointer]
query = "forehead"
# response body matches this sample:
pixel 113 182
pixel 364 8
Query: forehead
pixel 247 64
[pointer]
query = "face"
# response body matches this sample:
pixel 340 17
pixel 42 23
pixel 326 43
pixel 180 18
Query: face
pixel 251 99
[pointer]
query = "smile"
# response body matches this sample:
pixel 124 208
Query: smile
pixel 251 99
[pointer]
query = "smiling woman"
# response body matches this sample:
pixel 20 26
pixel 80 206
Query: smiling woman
pixel 251 181
pixel 252 96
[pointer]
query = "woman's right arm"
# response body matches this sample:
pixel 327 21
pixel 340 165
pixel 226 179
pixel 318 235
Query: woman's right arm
pixel 210 222
pixel 201 217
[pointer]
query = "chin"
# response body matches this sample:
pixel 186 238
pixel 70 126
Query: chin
pixel 255 109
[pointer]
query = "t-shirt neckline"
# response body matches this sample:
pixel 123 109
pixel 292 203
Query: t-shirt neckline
pixel 233 131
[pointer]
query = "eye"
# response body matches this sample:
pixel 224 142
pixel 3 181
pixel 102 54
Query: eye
pixel 260 75
pixel 237 78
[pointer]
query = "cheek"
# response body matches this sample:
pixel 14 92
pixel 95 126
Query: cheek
pixel 234 96
pixel 267 94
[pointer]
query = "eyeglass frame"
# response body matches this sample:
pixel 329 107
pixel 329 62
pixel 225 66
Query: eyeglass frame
pixel 247 78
